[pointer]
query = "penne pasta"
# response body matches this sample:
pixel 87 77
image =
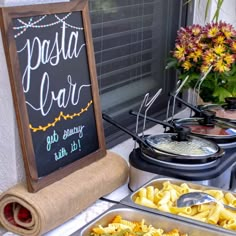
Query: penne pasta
pixel 164 208
pixel 222 222
pixel 231 222
pixel 227 214
pixel 146 202
pixel 142 192
pixel 174 195
pixel 231 199
pixel 214 214
pixel 177 188
pixel 185 188
pixel 157 197
pixel 150 193
pixel 168 186
pixel 164 199
pixel 224 201
pixel 204 207
pixel 185 210
pixel 194 210
pixel 201 215
pixel 191 217
pixel 231 226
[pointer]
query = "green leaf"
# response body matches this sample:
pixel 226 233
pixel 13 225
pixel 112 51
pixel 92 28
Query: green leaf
pixel 231 85
pixel 207 8
pixel 232 72
pixel 231 79
pixel 171 63
pixel 221 93
pixel 233 92
pixel 217 12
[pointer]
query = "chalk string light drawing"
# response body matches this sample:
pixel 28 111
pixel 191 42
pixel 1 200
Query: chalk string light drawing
pixel 34 24
pixel 59 117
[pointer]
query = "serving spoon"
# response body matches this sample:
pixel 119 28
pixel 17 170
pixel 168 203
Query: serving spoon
pixel 197 198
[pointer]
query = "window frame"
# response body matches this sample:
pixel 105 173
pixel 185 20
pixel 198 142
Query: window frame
pixel 115 136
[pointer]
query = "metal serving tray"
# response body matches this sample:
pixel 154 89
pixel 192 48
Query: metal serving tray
pixel 155 220
pixel 157 183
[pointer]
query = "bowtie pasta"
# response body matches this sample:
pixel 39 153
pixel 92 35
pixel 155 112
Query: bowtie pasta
pixel 122 227
pixel 165 200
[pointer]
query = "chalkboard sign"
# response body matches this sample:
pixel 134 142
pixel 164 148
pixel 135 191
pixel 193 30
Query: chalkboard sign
pixel 53 78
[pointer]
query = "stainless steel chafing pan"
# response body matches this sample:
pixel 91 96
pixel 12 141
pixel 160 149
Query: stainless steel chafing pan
pixel 158 183
pixel 155 220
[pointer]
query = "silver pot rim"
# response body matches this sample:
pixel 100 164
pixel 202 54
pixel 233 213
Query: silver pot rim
pixel 219 122
pixel 193 147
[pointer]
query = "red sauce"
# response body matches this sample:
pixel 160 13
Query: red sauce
pixel 200 129
pixel 227 114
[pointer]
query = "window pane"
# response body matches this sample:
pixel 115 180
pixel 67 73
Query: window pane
pixel 132 40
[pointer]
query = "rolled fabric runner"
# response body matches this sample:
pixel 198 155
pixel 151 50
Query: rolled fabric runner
pixel 33 214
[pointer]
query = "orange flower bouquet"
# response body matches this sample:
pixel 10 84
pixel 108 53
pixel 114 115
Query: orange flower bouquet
pixel 209 50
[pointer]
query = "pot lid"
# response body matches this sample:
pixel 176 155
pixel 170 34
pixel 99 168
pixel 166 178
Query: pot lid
pixel 226 111
pixel 222 112
pixel 185 164
pixel 218 130
pixel 192 147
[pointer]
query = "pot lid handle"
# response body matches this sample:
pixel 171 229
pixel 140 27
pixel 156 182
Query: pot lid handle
pixel 182 133
pixel 127 131
pixel 230 103
pixel 208 118
pixel 207 115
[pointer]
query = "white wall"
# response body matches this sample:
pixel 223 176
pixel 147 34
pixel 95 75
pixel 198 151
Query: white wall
pixel 10 156
pixel 227 13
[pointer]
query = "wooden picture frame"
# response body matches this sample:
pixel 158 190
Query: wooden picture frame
pixel 52 72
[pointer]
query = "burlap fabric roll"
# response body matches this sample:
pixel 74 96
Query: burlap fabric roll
pixel 33 214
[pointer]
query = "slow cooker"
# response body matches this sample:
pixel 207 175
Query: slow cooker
pixel 216 173
pixel 178 155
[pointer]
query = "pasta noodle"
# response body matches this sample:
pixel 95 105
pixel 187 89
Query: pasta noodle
pixel 227 214
pixel 231 199
pixel 201 215
pixel 185 210
pixel 192 217
pixel 231 224
pixel 145 202
pixel 185 188
pixel 204 207
pixel 143 192
pixel 174 195
pixel 150 193
pixel 121 227
pixel 164 199
pixel 164 208
pixel 214 214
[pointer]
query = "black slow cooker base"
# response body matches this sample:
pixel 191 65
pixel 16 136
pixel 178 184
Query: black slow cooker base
pixel 198 174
